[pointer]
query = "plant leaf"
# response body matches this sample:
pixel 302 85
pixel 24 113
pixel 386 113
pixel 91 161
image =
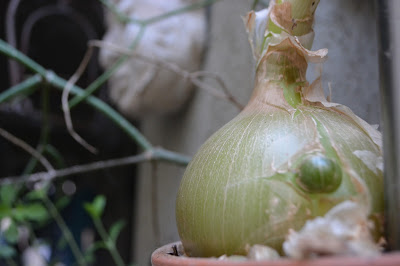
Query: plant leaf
pixel 37 194
pixel 11 234
pixel 8 194
pixel 115 230
pixel 34 212
pixel 95 246
pixel 62 202
pixel 96 208
pixel 5 211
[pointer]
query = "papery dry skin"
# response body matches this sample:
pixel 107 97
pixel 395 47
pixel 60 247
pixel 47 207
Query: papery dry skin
pixel 373 162
pixel 255 26
pixel 260 253
pixel 281 15
pixel 260 37
pixel 314 94
pixel 344 230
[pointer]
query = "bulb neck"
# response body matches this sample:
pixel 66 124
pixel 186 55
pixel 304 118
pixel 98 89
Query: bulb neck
pixel 282 72
pixel 283 60
pixel 283 64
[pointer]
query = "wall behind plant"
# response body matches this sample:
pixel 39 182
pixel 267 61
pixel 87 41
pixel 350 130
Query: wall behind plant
pixel 345 27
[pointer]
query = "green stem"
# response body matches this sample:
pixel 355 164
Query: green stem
pixel 65 230
pixel 13 53
pixel 302 15
pixel 60 84
pixel 30 167
pixel 108 242
pixel 56 155
pixel 171 157
pixel 303 8
pixel 106 75
pixel 26 86
pixel 44 134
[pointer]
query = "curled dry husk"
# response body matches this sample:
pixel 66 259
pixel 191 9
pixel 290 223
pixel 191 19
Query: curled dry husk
pixel 344 230
pixel 288 157
pixel 138 87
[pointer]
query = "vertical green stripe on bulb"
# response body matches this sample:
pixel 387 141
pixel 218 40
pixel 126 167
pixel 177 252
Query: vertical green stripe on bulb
pixel 292 97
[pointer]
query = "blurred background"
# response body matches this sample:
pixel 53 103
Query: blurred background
pixel 55 34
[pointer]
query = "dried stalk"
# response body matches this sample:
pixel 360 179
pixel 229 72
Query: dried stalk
pixel 194 77
pixel 26 147
pixel 67 114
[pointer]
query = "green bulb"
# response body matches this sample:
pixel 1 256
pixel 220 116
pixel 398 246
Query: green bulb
pixel 319 174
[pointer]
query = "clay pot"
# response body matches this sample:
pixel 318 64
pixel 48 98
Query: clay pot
pixel 164 256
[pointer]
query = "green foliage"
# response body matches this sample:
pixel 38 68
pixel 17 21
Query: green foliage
pixel 90 252
pixel 37 194
pixel 116 229
pixel 11 234
pixel 8 193
pixel 5 211
pixel 35 212
pixel 96 208
pixel 6 251
pixel 62 202
pixel 20 208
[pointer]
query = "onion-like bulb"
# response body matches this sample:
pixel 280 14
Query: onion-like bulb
pixel 288 157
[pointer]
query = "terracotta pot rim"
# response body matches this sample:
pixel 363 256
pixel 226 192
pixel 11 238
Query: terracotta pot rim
pixel 162 257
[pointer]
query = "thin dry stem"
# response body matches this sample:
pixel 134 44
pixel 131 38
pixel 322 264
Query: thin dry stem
pixel 67 114
pixel 29 149
pixel 149 155
pixel 78 169
pixel 194 77
pixel 221 83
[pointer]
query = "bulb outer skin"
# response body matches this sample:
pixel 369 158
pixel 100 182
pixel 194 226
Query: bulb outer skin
pixel 240 188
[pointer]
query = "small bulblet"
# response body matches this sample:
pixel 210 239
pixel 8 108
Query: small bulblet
pixel 252 180
pixel 319 174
